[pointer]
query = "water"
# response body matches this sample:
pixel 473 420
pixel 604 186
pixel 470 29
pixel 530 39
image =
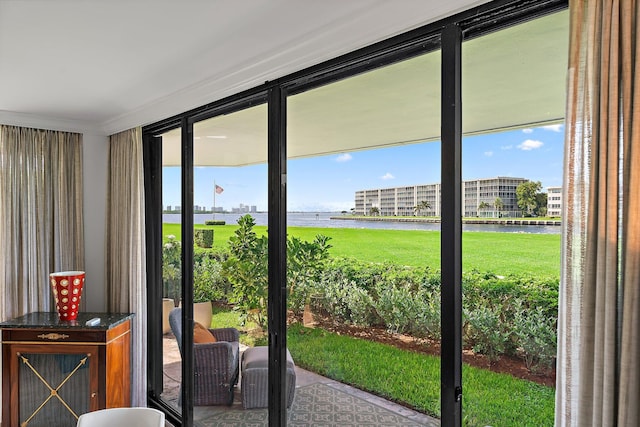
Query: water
pixel 323 219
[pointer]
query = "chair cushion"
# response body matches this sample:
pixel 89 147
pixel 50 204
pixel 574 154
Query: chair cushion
pixel 202 334
pixel 258 357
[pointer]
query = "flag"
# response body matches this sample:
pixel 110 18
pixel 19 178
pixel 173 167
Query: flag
pixel 219 189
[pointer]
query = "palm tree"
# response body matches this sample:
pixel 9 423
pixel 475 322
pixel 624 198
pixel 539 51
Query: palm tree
pixel 483 206
pixel 499 205
pixel 374 211
pixel 423 205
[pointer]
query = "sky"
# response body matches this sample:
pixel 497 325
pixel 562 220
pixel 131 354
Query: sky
pixel 329 183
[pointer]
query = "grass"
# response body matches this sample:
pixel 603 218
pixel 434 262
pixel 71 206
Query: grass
pixel 500 253
pixel 223 317
pixel 413 378
pixel 437 218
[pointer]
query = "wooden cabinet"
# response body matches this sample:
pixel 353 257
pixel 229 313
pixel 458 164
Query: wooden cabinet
pixel 53 371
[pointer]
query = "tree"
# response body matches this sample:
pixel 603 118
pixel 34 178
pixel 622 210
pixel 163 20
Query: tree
pixel 499 205
pixel 483 205
pixel 526 194
pixel 423 205
pixel 541 208
pixel 374 211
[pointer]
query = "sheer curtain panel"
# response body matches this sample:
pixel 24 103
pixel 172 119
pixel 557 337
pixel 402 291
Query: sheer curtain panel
pixel 598 379
pixel 125 263
pixel 41 217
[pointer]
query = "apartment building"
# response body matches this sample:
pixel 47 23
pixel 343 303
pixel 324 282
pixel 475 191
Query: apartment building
pixel 554 201
pixel 485 198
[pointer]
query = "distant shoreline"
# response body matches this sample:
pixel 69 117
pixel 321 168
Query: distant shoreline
pixel 501 221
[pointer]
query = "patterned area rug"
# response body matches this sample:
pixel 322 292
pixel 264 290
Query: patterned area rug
pixel 315 405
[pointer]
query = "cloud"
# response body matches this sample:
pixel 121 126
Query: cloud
pixel 387 176
pixel 488 153
pixel 506 147
pixel 344 157
pixel 554 128
pixel 528 130
pixel 530 144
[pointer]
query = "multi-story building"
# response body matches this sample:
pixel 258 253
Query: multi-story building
pixel 486 198
pixel 492 197
pixel 554 201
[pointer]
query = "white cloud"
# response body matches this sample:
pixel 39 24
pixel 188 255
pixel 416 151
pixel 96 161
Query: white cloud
pixel 506 147
pixel 530 144
pixel 387 176
pixel 345 157
pixel 528 130
pixel 554 128
pixel 488 153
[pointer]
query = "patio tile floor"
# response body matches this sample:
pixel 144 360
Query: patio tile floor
pixel 172 373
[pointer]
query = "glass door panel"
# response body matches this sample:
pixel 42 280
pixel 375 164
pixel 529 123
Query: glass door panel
pixel 230 271
pixel 171 263
pixel 364 243
pixel 513 100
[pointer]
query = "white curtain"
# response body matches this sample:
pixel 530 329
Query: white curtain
pixel 598 375
pixel 125 254
pixel 41 217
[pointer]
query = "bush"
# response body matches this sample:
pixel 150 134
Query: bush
pixel 536 337
pixel 427 321
pixel 396 307
pixel 407 300
pixel 246 269
pixel 343 300
pixel 208 282
pixel 305 262
pixel 171 268
pixel 215 222
pixel 203 237
pixel 486 333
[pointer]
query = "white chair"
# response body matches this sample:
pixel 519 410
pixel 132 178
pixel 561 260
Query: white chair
pixel 122 417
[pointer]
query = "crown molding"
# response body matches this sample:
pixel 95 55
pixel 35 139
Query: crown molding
pixel 15 118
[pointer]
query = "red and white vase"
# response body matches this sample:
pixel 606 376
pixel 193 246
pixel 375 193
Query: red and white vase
pixel 67 291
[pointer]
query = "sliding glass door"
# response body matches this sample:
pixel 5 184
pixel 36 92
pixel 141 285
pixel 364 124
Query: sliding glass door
pixel 328 205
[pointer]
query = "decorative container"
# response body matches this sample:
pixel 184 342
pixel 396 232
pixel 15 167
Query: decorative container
pixel 67 290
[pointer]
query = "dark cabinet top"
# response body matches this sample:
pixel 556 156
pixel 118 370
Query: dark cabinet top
pixel 51 320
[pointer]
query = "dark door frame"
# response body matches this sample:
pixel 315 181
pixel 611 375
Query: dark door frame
pixel 447 34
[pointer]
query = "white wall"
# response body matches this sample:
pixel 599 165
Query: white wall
pixel 95 159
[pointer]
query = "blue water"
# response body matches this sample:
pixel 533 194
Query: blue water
pixel 323 219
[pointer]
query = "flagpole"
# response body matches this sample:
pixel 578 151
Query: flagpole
pixel 214 199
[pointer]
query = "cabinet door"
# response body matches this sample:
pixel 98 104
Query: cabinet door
pixel 53 384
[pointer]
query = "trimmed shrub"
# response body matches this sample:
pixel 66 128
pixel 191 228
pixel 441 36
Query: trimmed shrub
pixel 208 281
pixel 486 333
pixel 215 222
pixel 203 237
pixel 497 316
pixel 536 337
pixel 396 307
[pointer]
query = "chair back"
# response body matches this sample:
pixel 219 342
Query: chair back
pixel 122 417
pixel 175 321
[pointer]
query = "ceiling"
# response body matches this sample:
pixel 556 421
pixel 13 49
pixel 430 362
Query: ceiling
pixel 113 65
pixel 512 78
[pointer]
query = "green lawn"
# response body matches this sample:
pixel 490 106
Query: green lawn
pixel 413 378
pixel 500 253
